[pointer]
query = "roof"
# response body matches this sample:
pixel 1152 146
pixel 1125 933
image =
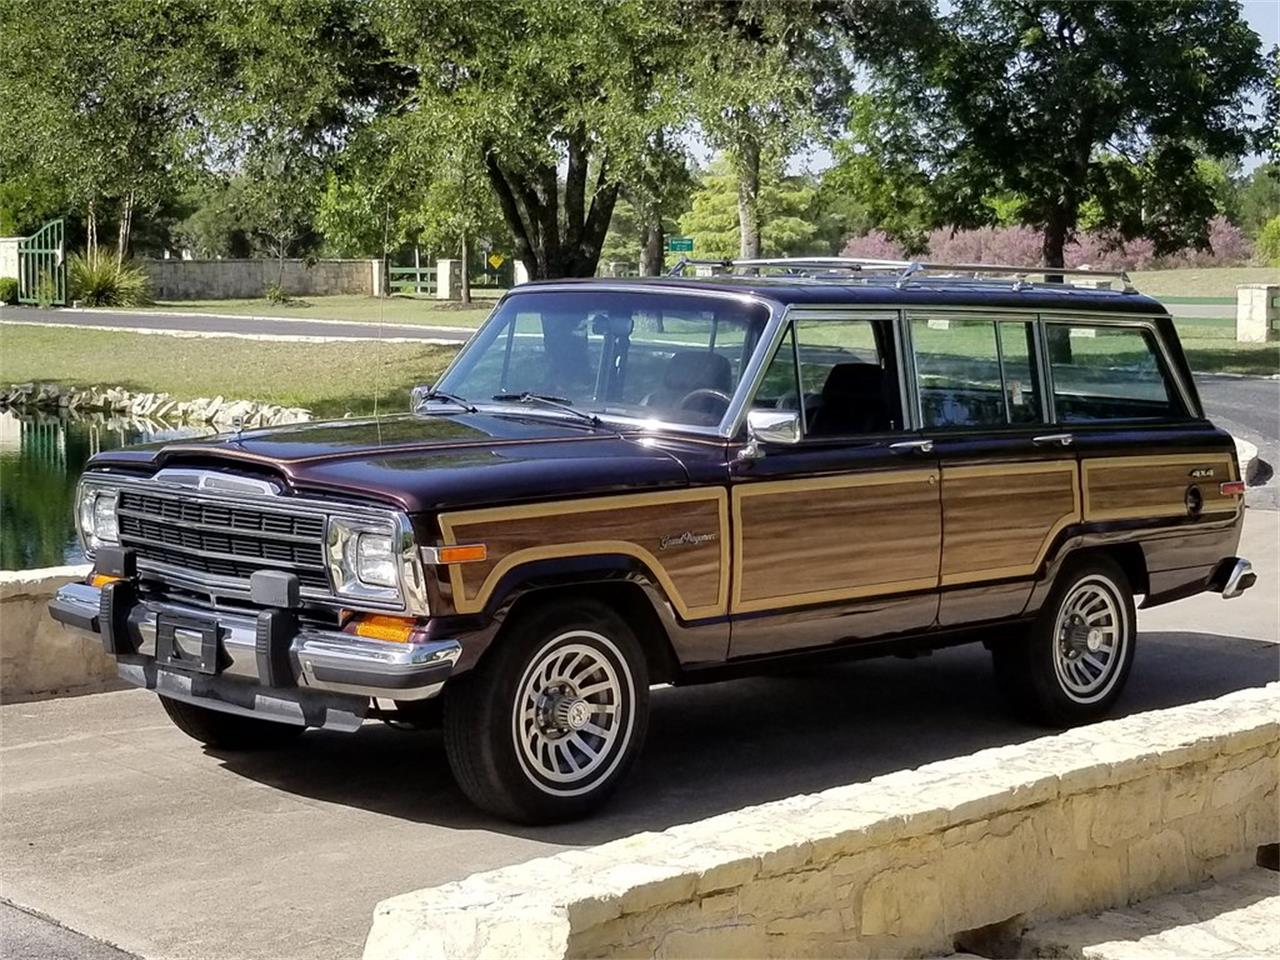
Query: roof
pixel 933 292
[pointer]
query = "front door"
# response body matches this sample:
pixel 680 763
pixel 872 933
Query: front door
pixel 1010 484
pixel 837 537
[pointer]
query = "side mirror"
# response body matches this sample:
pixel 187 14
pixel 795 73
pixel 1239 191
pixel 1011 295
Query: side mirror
pixel 770 426
pixel 419 394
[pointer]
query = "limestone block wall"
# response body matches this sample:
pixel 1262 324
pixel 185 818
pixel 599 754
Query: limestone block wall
pixel 229 279
pixel 1085 820
pixel 38 657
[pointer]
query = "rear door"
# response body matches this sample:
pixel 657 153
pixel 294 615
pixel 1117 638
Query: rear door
pixel 1009 484
pixel 836 537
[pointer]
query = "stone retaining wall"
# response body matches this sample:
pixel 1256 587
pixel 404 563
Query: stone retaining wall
pixel 38 657
pixel 158 407
pixel 235 279
pixel 898 866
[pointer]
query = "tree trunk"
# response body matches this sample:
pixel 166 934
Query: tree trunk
pixel 280 273
pixel 651 254
pixel 91 231
pixel 464 290
pixel 126 227
pixel 749 198
pixel 1054 246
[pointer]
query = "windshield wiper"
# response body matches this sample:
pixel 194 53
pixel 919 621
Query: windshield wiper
pixel 558 403
pixel 423 396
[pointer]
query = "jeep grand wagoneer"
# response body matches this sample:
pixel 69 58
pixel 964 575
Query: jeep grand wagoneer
pixel 618 484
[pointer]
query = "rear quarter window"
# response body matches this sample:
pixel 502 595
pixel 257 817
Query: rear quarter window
pixel 1104 372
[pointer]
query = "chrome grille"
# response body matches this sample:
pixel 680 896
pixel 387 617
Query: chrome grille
pixel 215 539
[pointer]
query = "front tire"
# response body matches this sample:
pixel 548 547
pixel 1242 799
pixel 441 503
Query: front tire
pixel 1073 664
pixel 228 731
pixel 548 725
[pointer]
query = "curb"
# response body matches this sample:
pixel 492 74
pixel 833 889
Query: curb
pixel 1247 453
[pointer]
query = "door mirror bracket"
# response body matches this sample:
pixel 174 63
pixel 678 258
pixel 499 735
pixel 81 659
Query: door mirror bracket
pixel 769 426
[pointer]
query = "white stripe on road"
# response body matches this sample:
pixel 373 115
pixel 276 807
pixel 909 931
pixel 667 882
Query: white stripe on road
pixel 225 334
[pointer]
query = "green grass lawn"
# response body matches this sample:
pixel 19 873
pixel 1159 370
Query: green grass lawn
pixel 331 379
pixel 1201 282
pixel 397 309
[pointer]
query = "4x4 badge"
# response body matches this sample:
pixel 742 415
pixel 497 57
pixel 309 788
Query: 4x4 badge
pixel 1202 473
pixel 686 539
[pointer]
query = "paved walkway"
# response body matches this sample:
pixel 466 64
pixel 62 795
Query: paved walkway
pixel 247 327
pixel 1233 918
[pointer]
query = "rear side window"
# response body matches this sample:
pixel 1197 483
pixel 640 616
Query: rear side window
pixel 975 372
pixel 1102 372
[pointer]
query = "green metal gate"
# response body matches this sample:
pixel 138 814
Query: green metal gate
pixel 42 265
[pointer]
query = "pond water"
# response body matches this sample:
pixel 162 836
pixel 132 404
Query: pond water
pixel 41 458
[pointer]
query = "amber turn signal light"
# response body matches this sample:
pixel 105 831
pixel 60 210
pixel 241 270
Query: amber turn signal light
pixel 464 553
pixel 379 627
pixel 1231 488
pixel 101 580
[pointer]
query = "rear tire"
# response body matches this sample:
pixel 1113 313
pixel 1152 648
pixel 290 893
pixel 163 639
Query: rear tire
pixel 228 731
pixel 547 726
pixel 1072 665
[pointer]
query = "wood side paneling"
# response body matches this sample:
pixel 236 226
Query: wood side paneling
pixel 646 526
pixel 1125 488
pixel 825 539
pixel 999 519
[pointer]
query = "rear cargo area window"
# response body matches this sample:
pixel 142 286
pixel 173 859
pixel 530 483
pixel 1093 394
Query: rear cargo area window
pixel 1102 372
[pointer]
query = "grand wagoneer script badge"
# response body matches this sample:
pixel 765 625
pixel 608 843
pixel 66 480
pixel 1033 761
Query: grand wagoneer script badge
pixel 686 539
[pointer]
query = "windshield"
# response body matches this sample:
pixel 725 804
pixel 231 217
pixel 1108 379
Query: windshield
pixel 663 356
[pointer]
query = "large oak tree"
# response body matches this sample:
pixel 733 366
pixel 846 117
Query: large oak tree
pixel 1060 103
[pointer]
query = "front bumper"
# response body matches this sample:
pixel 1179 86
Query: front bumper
pixel 260 665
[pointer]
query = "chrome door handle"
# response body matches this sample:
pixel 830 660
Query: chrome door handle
pixel 912 446
pixel 1064 439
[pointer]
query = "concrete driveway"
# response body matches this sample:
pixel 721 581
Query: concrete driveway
pixel 116 825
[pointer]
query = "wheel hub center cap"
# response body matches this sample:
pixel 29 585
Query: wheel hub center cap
pixel 1094 640
pixel 570 713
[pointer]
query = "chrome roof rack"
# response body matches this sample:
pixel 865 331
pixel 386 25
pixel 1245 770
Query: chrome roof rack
pixel 900 273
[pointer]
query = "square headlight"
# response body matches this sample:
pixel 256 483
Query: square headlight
pixel 364 559
pixel 96 516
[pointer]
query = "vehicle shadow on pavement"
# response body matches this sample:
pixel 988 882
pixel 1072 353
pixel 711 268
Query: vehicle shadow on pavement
pixel 719 747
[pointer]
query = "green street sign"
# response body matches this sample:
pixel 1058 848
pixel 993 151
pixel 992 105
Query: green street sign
pixel 679 244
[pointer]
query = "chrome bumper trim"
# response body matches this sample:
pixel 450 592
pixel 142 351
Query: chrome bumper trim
pixel 1239 580
pixel 322 660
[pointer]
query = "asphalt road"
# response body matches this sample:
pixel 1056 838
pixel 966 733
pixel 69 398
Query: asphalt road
pixel 1249 408
pixel 234 326
pixel 119 827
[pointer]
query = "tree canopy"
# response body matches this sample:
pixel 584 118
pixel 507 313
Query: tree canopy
pixel 351 127
pixel 1061 102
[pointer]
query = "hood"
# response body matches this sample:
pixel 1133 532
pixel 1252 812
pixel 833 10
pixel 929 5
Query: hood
pixel 426 462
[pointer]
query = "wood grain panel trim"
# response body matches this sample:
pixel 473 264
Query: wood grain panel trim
pixel 678 575
pixel 791 540
pixel 1007 530
pixel 1141 488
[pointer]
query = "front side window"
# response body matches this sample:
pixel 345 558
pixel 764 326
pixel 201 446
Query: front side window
pixel 1103 372
pixel 670 357
pixel 846 380
pixel 975 372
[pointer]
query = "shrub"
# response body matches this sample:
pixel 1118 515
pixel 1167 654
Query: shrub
pixel 46 290
pixel 276 294
pixel 875 245
pixel 8 289
pixel 1267 247
pixel 99 281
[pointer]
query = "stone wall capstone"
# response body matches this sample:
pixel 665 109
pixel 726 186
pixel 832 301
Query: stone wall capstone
pixel 898 866
pixel 246 279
